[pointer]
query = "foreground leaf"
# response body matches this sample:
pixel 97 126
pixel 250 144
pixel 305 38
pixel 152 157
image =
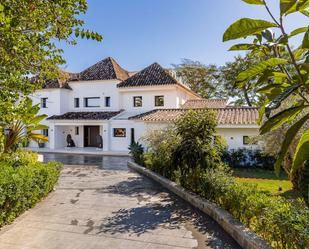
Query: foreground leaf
pixel 289 137
pixel 280 118
pixel 37 127
pixel 302 151
pixel 259 68
pixel 298 31
pixel 300 5
pixel 38 137
pixel 244 46
pixel 245 27
pixel 258 2
pixel 278 100
pixel 286 5
pixel 305 43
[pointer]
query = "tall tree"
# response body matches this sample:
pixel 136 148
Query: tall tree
pixel 246 94
pixel 203 79
pixel 29 34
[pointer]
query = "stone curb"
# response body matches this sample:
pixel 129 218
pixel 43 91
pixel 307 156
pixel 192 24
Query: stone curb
pixel 244 237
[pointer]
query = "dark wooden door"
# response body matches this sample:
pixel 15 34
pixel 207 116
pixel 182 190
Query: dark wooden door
pixel 90 136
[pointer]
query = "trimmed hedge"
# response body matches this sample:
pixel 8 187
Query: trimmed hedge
pixel 283 223
pixel 23 186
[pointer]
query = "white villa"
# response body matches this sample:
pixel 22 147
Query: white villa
pixel 106 102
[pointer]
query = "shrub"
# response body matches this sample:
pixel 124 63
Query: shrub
pixel 137 151
pixel 241 158
pixel 199 147
pixel 282 223
pixel 20 157
pixel 161 143
pixel 22 187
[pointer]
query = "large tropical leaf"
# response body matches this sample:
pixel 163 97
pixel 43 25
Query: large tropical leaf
pixel 245 27
pixel 289 137
pixel 38 137
pixel 38 118
pixel 258 2
pixel 286 5
pixel 245 46
pixel 278 119
pixel 305 43
pixel 37 127
pixel 259 68
pixel 302 151
pixel 276 102
pixel 299 5
pixel 305 12
pixel 298 31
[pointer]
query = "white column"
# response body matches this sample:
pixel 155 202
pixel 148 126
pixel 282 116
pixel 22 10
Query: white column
pixel 106 137
pixel 52 136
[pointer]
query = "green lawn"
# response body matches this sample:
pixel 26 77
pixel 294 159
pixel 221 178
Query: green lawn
pixel 266 180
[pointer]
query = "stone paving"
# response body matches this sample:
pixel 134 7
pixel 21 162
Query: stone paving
pixel 104 205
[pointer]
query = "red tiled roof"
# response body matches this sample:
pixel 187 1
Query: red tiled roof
pixel 205 103
pixel 225 116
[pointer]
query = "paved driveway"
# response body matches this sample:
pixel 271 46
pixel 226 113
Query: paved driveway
pixel 103 205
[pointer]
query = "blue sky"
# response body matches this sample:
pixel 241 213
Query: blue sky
pixel 140 32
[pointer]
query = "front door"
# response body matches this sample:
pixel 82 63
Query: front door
pixel 91 134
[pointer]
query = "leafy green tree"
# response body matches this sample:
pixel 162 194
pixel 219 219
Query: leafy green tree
pixel 29 34
pixel 279 77
pixel 247 93
pixel 202 79
pixel 23 124
pixel 199 147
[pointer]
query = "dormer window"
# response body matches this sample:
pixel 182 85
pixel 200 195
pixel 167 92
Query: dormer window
pixel 92 102
pixel 138 101
pixel 159 100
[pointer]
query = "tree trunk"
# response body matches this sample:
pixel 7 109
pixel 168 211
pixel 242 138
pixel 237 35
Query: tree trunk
pixel 247 97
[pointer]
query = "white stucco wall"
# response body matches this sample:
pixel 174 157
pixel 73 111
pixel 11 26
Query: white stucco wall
pixel 234 136
pixel 102 89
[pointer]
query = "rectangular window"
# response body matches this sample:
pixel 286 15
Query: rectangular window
pixel 76 102
pixel 76 130
pixel 92 102
pixel 159 100
pixel 246 140
pixel 107 101
pixel 137 101
pixel 43 102
pixel 45 132
pixel 119 132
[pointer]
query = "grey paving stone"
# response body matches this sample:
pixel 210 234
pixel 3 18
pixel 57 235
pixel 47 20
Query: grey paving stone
pixel 107 206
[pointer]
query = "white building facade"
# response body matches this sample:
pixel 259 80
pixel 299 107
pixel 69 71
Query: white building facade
pixel 106 107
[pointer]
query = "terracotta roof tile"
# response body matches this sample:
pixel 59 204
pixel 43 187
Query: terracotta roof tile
pixel 205 103
pixel 84 116
pixel 225 116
